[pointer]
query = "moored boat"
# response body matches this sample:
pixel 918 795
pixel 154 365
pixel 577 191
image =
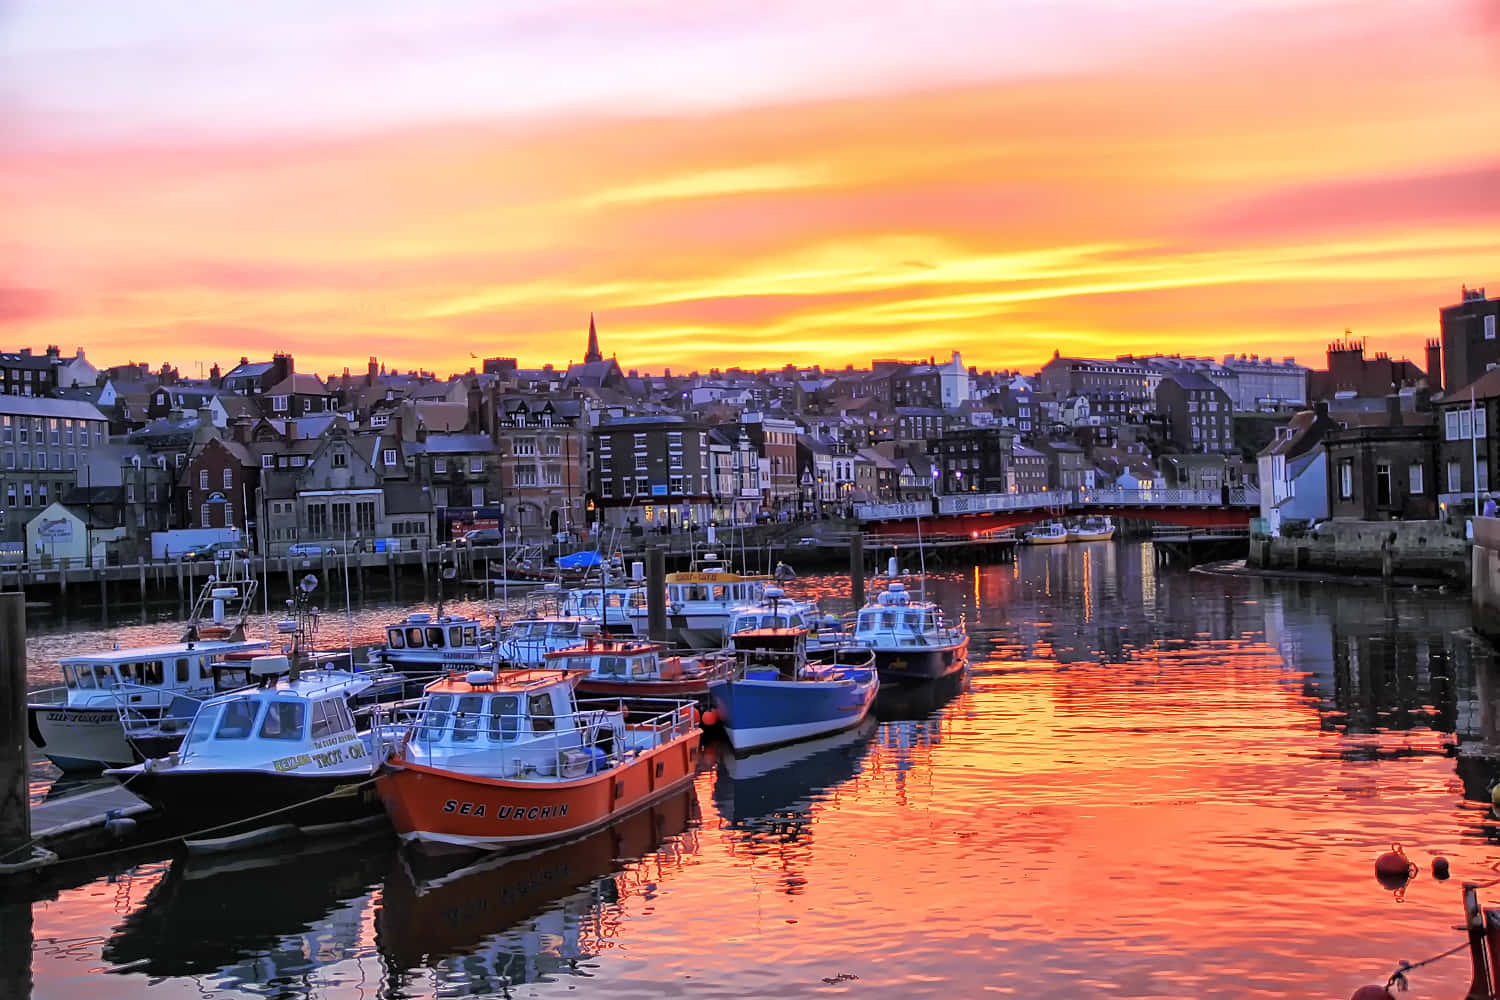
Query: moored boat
pixel 640 672
pixel 776 610
pixel 286 752
pixel 775 695
pixel 499 760
pixel 1051 533
pixel 701 600
pixel 910 639
pixel 608 605
pixel 1092 529
pixel 108 697
pixel 528 640
pixel 424 645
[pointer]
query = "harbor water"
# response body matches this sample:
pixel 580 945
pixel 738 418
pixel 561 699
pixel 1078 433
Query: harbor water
pixel 1151 783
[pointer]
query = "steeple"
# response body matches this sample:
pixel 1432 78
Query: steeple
pixel 592 354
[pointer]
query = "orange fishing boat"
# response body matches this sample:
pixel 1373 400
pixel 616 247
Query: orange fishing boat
pixel 634 669
pixel 509 759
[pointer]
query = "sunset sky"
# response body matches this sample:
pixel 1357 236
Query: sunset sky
pixel 819 181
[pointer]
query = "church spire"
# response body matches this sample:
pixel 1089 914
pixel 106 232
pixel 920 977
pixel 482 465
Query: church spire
pixel 592 354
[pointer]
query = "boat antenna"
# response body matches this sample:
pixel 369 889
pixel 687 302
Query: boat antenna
pixel 922 557
pixel 348 609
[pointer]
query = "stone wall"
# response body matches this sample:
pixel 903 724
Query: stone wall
pixel 1360 548
pixel 1484 579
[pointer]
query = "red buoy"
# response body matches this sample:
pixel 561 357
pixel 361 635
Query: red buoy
pixel 1394 866
pixel 710 717
pixel 1371 993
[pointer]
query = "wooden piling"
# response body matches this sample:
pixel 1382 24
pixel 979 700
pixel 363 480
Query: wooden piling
pixel 390 569
pixel 426 584
pixel 656 594
pixel 1492 947
pixel 1479 983
pixel 104 593
pixel 141 578
pixel 15 957
pixel 857 570
pixel 15 806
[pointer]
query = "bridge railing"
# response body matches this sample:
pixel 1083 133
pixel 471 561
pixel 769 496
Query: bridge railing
pixel 980 503
pixel 1151 498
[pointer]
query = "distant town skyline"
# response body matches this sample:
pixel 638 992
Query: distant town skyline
pixel 749 185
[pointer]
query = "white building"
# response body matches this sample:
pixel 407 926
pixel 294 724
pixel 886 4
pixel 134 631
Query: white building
pixel 954 380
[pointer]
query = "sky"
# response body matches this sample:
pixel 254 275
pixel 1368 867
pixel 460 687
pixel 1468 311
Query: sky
pixel 724 183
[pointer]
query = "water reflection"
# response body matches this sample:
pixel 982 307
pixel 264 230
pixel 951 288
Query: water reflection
pixel 247 921
pixel 478 927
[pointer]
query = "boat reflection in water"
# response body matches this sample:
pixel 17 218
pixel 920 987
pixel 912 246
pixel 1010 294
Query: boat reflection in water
pixel 775 789
pixel 253 919
pixel 512 918
pixel 897 702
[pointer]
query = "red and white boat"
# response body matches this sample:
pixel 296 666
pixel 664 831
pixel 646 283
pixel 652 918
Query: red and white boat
pixel 506 759
pixel 636 670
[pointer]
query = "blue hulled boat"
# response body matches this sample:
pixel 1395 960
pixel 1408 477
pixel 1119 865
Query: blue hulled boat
pixel 774 695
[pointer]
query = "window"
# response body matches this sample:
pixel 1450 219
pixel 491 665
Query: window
pixel 524 446
pixel 130 492
pixel 268 461
pixel 1479 422
pixel 1414 478
pixel 1455 477
pixel 476 496
pixel 440 496
pixel 41 460
pixel 504 708
pixel 317 519
pixel 228 479
pixel 476 465
pixel 238 720
pixel 341 523
pixel 1346 479
pixel 203 516
pixel 390 456
pixel 1489 327
pixel 283 721
pixel 1465 424
pixel 1383 484
pixel 539 706
pixel 466 718
pixel 278 403
pixel 439 465
pixel 1482 475
pixel 364 516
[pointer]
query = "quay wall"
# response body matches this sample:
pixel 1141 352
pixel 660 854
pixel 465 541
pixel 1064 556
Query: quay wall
pixel 1369 548
pixel 1484 578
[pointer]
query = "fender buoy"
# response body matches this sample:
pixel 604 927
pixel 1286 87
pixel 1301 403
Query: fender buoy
pixel 1439 868
pixel 710 718
pixel 1394 866
pixel 1371 993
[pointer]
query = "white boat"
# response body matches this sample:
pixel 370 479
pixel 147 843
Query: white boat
pixel 777 611
pixel 610 606
pixel 425 645
pixel 527 641
pixel 107 697
pixel 701 600
pixel 1092 529
pixel 1051 533
pixel 286 752
pixel 910 638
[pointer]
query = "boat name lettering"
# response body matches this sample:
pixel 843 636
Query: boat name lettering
pixel 85 717
pixel 506 812
pixel 291 763
pixel 329 759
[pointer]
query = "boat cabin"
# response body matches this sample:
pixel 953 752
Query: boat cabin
pixel 617 661
pixel 611 605
pixel 149 674
pixel 894 615
pixel 291 725
pixel 420 631
pixel 771 653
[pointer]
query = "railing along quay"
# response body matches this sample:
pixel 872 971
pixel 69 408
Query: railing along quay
pixel 1060 501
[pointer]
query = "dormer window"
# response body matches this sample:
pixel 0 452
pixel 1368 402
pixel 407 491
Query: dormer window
pixel 339 459
pixel 390 456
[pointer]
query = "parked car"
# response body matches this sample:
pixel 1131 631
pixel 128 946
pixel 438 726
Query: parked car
pixel 304 549
pixel 479 536
pixel 215 550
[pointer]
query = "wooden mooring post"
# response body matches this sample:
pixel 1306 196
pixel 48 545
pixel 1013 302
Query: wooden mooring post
pixel 1474 921
pixel 656 594
pixel 857 570
pixel 15 805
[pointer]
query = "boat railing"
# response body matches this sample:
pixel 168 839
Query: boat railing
pixel 583 742
pixel 57 695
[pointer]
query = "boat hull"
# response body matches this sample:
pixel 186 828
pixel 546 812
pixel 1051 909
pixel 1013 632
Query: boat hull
pixel 237 800
pixel 79 740
pixel 759 714
pixel 915 664
pixel 436 807
pixel 684 689
pixel 1091 536
pixel 1046 539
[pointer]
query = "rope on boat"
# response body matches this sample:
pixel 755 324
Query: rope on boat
pixel 1398 978
pixel 341 790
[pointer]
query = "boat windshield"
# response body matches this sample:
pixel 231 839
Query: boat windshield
pixel 204 724
pixel 238 720
pixel 504 717
pixel 283 720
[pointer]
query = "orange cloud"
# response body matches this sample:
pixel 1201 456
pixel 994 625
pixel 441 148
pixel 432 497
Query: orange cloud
pixel 1233 197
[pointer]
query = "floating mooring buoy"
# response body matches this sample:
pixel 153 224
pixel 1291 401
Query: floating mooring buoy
pixel 1394 869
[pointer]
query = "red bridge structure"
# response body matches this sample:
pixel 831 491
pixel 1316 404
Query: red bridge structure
pixel 971 515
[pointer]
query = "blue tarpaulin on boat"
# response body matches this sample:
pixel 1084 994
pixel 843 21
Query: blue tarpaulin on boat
pixel 579 560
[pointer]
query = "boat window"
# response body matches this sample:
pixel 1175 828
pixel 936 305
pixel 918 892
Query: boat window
pixel 150 672
pixel 283 721
pixel 611 665
pixel 183 676
pixel 203 724
pixel 639 666
pixel 888 619
pixel 326 719
pixel 471 635
pixel 435 638
pixel 396 638
pixel 126 672
pixel 239 719
pixel 69 678
pixel 455 636
pixel 103 675
pixel 503 711
pixel 434 717
pixel 414 638
pixel 539 707
pixel 466 718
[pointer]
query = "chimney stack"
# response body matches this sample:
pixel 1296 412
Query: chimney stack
pixel 1435 364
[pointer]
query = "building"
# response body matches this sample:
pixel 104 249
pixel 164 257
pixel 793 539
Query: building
pixel 1466 445
pixel 1028 470
pixel 541 444
pixel 654 471
pixel 25 374
pixel 1196 412
pixel 1469 345
pixel 973 460
pixel 1266 384
pixel 1293 471
pixel 1067 466
pixel 1382 471
pixel 1350 373
pixel 43 444
pixel 1064 377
